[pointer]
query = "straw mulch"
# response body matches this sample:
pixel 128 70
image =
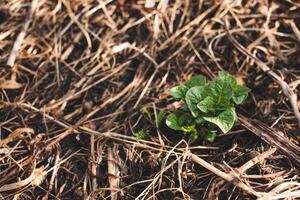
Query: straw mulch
pixel 81 80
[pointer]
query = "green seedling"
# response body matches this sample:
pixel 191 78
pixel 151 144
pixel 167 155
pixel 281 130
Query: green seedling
pixel 141 134
pixel 206 105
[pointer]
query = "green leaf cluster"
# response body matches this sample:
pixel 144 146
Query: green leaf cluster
pixel 207 104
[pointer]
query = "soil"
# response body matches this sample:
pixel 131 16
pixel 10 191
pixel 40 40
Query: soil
pixel 87 78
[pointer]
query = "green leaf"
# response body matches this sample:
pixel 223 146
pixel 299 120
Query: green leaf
pixel 225 76
pixel 184 108
pixel 141 134
pixel 184 119
pixel 178 92
pixel 180 121
pixel 193 136
pixel 172 122
pixel 193 96
pixel 220 91
pixel 199 120
pixel 240 93
pixel 160 117
pixel 196 81
pixel 147 113
pixel 207 105
pixel 211 136
pixel 189 128
pixel 225 120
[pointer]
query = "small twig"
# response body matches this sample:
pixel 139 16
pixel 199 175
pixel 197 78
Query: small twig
pixel 55 170
pixel 113 173
pixel 93 163
pixel 227 177
pixel 53 176
pixel 14 170
pixel 17 45
pixel 258 159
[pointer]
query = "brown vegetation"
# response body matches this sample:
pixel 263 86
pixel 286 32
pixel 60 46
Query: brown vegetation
pixel 79 79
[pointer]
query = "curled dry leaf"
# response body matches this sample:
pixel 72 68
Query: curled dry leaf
pixel 15 135
pixel 35 179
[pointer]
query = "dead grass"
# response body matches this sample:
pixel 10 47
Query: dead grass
pixel 79 78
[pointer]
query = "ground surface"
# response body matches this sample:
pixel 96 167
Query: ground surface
pixel 91 74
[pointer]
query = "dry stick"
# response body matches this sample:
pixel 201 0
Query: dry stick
pixel 15 134
pixel 15 170
pixel 227 177
pixel 265 176
pixel 93 163
pixel 30 107
pixel 113 173
pixel 258 159
pixel 74 18
pixel 285 87
pixel 238 172
pixel 272 137
pixel 54 175
pixel 17 45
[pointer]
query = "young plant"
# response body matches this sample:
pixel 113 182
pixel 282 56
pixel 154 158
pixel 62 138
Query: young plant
pixel 205 105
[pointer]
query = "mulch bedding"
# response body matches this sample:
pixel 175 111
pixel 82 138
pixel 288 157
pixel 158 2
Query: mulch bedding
pixel 91 74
